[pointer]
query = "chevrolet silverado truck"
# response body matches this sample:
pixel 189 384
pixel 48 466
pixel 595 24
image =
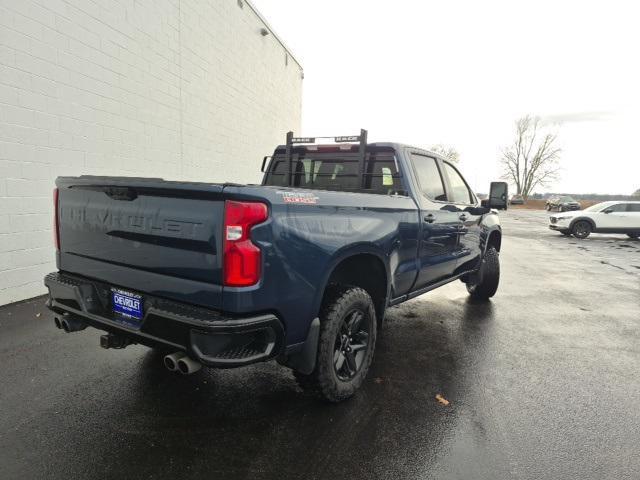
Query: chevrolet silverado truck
pixel 299 269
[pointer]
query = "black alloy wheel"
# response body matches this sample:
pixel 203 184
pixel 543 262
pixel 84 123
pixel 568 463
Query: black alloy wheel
pixel 346 344
pixel 582 229
pixel 351 344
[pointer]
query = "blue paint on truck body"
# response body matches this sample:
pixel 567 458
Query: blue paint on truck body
pixel 163 239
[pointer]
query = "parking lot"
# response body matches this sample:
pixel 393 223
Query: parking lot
pixel 542 382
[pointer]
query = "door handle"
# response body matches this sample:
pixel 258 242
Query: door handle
pixel 429 218
pixel 463 216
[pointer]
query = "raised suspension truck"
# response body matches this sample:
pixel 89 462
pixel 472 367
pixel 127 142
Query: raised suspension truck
pixel 300 268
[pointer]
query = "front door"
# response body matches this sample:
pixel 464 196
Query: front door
pixel 612 217
pixel 440 224
pixel 465 202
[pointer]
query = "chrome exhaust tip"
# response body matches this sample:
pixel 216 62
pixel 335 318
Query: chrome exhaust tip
pixel 171 361
pixel 187 366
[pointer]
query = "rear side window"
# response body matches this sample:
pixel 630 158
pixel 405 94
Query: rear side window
pixel 429 177
pixel 633 207
pixel 331 171
pixel 459 193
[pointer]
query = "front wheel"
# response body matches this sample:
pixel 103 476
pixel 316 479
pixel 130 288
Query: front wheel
pixel 581 229
pixel 347 340
pixel 485 283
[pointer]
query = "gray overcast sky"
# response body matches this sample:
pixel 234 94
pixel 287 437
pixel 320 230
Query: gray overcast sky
pixel 461 72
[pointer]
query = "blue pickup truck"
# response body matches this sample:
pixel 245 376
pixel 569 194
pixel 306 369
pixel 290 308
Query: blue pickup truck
pixel 299 269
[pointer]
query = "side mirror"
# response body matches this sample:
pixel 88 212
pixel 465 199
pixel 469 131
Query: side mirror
pixel 483 210
pixel 498 195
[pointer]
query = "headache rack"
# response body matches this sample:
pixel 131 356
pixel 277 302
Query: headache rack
pixel 360 139
pixel 292 157
pixel 348 164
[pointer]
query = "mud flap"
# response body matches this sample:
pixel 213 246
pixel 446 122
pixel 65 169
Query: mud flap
pixel 304 361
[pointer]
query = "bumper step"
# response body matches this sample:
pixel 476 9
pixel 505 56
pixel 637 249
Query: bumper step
pixel 211 337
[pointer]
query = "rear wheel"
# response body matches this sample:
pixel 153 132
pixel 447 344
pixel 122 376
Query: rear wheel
pixel 581 229
pixel 485 282
pixel 347 340
pixel 633 235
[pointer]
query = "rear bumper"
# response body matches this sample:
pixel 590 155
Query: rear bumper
pixel 213 338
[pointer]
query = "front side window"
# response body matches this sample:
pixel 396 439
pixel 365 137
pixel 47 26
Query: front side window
pixel 618 207
pixel 429 177
pixel 459 193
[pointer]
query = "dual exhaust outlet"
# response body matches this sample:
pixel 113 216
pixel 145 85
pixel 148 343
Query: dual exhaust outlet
pixel 69 323
pixel 175 362
pixel 179 362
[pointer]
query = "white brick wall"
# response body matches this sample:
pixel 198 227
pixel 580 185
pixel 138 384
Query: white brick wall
pixel 183 89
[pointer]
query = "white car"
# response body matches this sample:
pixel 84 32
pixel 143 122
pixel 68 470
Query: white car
pixel 605 217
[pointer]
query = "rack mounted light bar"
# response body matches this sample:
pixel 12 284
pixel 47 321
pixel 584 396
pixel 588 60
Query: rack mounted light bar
pixel 341 139
pixel 362 149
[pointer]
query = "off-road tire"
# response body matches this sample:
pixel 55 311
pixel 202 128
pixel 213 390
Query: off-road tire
pixel 487 278
pixel 581 229
pixel 324 380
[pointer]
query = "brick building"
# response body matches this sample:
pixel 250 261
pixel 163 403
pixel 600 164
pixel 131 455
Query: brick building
pixel 180 89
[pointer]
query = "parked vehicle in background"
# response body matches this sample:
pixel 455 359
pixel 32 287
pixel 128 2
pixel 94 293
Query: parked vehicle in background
pixel 300 268
pixel 517 199
pixel 562 203
pixel 605 217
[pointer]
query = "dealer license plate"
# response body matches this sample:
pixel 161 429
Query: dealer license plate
pixel 126 303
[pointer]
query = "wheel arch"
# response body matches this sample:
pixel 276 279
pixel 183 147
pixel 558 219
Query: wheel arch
pixel 579 219
pixel 365 267
pixel 494 239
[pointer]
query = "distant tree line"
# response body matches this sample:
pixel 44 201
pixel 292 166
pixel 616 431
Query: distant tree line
pixel 586 196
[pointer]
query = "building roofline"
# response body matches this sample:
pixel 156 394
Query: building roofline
pixel 272 31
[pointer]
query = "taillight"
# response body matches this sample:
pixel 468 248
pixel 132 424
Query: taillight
pixel 56 224
pixel 242 258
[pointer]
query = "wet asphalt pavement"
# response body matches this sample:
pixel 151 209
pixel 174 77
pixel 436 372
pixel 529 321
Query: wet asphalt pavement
pixel 543 382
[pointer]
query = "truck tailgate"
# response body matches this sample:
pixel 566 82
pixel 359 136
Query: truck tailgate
pixel 149 235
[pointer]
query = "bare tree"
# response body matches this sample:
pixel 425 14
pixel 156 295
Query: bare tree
pixel 533 158
pixel 449 153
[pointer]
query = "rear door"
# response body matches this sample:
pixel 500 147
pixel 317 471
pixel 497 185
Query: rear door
pixel 439 222
pixel 152 236
pixel 460 195
pixel 631 216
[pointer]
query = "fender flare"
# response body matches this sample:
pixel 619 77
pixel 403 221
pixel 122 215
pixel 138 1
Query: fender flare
pixel 343 254
pixel 493 230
